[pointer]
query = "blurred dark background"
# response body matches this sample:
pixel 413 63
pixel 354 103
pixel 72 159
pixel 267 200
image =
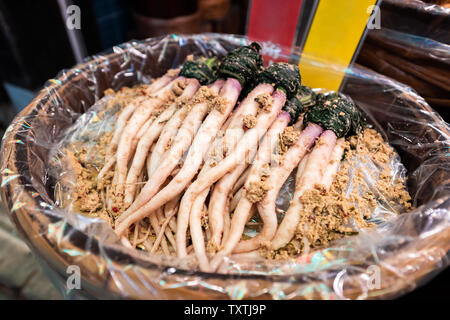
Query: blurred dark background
pixel 35 45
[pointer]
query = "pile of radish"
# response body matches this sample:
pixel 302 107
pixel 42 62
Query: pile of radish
pixel 213 144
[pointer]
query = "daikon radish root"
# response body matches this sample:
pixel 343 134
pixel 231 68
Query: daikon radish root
pixel 263 157
pixel 221 109
pixel 120 125
pixel 202 70
pixel 144 128
pixel 240 182
pixel 226 223
pixel 267 232
pixel 218 203
pixel 162 232
pixel 106 168
pixel 171 128
pixel 235 200
pixel 300 98
pixel 216 149
pixel 241 64
pixel 126 113
pixel 198 241
pixel 242 151
pixel 170 209
pixel 338 116
pixel 135 234
pixel 333 165
pixel 277 177
pixel 128 138
pixel 147 140
pixel 195 224
pixel 165 139
pixel 142 151
pixel 281 75
pixel 155 225
pixel 181 143
pixel 169 235
pixel 163 81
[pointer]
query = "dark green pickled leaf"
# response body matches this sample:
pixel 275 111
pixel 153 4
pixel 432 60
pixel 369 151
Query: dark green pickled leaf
pixel 306 96
pixel 202 69
pixel 292 106
pixel 300 102
pixel 281 75
pixel 242 64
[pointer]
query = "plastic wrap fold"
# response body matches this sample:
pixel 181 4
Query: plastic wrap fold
pixel 412 47
pixel 402 252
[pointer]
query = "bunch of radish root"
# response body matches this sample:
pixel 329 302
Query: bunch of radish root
pixel 206 149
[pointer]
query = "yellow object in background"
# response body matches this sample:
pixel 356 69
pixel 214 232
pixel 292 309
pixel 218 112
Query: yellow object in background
pixel 333 38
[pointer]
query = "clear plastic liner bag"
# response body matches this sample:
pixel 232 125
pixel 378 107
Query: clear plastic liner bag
pixel 412 47
pixel 401 252
pixel 419 62
pixel 427 19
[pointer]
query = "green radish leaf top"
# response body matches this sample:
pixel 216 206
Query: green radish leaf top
pixel 242 63
pixel 300 102
pixel 202 69
pixel 337 113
